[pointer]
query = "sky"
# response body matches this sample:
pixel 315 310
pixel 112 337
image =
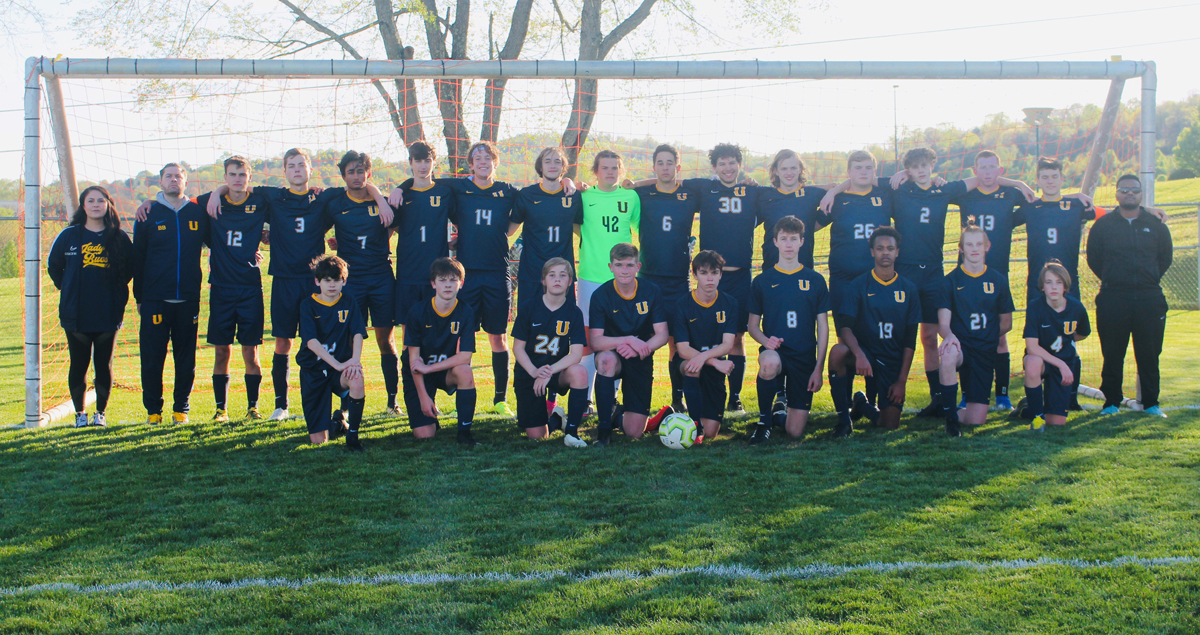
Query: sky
pixel 806 116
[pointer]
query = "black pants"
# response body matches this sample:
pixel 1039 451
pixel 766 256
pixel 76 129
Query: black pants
pixel 1119 315
pixel 174 323
pixel 83 348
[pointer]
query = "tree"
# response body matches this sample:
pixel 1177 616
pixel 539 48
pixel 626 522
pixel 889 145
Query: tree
pixel 1187 149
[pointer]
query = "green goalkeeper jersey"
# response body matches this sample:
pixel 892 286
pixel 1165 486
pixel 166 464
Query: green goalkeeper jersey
pixel 605 219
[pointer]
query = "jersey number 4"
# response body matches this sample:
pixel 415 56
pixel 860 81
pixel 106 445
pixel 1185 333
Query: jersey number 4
pixel 546 345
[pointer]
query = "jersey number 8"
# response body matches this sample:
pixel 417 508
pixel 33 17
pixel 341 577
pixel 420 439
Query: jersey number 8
pixel 546 345
pixel 792 322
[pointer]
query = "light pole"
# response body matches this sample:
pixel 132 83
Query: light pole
pixel 895 126
pixel 1037 118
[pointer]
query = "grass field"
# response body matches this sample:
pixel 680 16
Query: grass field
pixel 531 537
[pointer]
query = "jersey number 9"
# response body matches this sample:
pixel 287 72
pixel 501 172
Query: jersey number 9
pixel 1052 235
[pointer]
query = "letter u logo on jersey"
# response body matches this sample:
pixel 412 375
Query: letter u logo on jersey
pixel 877 201
pixel 681 196
pixel 498 194
pixel 1064 205
pixel 194 225
pixel 563 327
pixel 623 207
pixel 643 307
pixel 567 202
pixel 454 328
pixel 803 285
pixel 157 319
pixel 899 296
pixel 739 190
pixel 720 317
pixel 1069 327
pixel 435 201
pixel 342 315
pixel 989 287
pixel 250 209
pixel 372 211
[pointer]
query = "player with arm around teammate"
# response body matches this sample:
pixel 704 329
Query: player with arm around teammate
pixel 979 314
pixel 878 337
pixel 546 214
pixel 704 332
pixel 1053 323
pixel 548 339
pixel 440 338
pixel 789 306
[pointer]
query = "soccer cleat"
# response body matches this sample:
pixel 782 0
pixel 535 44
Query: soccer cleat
pixel 501 408
pixel 253 414
pixel 280 414
pixel 1037 425
pixel 353 443
pixel 1074 405
pixel 1155 411
pixel 154 419
pixel 590 411
pixel 601 443
pixel 617 421
pixel 1019 411
pixel 1109 410
pixel 779 413
pixel 735 404
pixel 179 417
pixel 555 421
pixel 1003 403
pixel 934 409
pixel 98 420
pixel 860 403
pixel 467 439
pixel 81 420
pixel 962 404
pixel 220 416
pixel 699 438
pixel 653 422
pixel 678 406
pixel 761 434
pixel 844 429
pixel 394 411
pixel 340 419
pixel 953 429
pixel 572 441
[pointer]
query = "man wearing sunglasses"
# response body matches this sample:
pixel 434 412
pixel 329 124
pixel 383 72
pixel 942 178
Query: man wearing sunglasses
pixel 1129 252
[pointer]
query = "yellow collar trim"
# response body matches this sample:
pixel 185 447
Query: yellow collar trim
pixel 317 297
pixel 782 270
pixel 365 200
pixel 233 202
pixel 799 188
pixel 424 189
pixel 991 191
pixel 973 275
pixel 440 314
pixel 299 193
pixel 543 186
pixel 658 186
pixel 482 187
pixel 895 276
pixel 714 300
pixel 635 286
pixel 1052 200
pixel 859 193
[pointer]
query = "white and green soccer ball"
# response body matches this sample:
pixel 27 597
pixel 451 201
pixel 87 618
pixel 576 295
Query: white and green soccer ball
pixel 677 431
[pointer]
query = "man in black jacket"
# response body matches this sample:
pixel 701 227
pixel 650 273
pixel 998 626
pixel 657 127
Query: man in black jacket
pixel 1129 250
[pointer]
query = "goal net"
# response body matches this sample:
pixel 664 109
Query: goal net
pixel 124 129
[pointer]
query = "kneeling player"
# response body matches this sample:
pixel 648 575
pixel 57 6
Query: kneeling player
pixel 440 338
pixel 879 322
pixel 332 329
pixel 627 322
pixel 786 302
pixel 1053 324
pixel 979 314
pixel 704 335
pixel 548 340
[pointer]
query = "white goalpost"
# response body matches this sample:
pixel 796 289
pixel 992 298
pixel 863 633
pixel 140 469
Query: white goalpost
pixel 48 74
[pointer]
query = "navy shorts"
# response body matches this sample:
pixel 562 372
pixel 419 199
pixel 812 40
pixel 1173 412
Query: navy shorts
pixel 737 285
pixel 796 372
pixel 839 281
pixel 976 374
pixel 532 289
pixel 489 294
pixel 1057 397
pixel 286 296
pixel 317 388
pixel 637 384
pixel 531 408
pixel 674 289
pixel 433 383
pixel 712 396
pixel 235 310
pixel 409 295
pixel 886 371
pixel 929 280
pixel 375 294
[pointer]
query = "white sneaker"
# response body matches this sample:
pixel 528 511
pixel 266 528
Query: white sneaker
pixel 81 420
pixel 572 441
pixel 280 414
pixel 98 420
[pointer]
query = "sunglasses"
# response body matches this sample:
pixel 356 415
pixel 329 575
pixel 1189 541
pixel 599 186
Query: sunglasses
pixel 1129 190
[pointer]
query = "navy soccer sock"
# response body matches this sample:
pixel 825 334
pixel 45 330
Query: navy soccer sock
pixel 279 377
pixel 500 371
pixel 935 385
pixel 737 376
pixel 766 388
pixel 253 384
pixel 464 403
pixel 678 393
pixel 839 389
pixel 1035 405
pixel 606 397
pixel 1003 372
pixel 220 390
pixel 390 364
pixel 576 405
pixel 950 402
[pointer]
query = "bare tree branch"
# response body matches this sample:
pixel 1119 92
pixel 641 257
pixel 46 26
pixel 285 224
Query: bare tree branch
pixel 627 26
pixel 562 18
pixel 493 96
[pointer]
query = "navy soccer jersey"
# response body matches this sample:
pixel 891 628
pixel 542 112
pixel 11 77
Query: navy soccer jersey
pixel 703 326
pixel 1055 331
pixel 805 204
pixel 619 316
pixel 994 212
pixel 481 216
pixel 440 336
pixel 298 228
pixel 976 303
pixel 883 315
pixel 789 303
pixel 362 240
pixel 333 325
pixel 547 221
pixel 1055 229
pixel 421 231
pixel 665 230
pixel 920 217
pixel 727 219
pixel 548 335
pixel 852 220
pixel 233 241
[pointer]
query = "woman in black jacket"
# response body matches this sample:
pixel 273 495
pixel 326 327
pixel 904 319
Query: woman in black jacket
pixel 90 264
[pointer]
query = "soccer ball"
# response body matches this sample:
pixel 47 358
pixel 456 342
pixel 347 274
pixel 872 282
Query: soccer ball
pixel 677 431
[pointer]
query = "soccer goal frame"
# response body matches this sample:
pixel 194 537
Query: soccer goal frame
pixel 44 73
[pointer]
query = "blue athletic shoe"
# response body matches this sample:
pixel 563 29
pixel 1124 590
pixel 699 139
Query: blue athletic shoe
pixel 1002 403
pixel 1155 411
pixel 1109 410
pixel 962 404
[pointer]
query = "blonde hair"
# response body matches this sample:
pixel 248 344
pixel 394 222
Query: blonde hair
pixel 1055 268
pixel 780 157
pixel 972 228
pixel 555 151
pixel 486 146
pixel 861 155
pixel 606 154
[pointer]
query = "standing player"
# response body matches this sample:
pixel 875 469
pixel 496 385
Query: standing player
pixel 628 323
pixel 704 330
pixel 166 287
pixel 235 299
pixel 979 314
pixel 440 338
pixel 332 330
pixel 878 337
pixel 548 336
pixel 788 318
pixel 1053 323
pixel 789 196
pixel 547 213
pixel 1054 225
pixel 853 216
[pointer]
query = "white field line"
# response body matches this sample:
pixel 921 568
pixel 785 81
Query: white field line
pixel 726 572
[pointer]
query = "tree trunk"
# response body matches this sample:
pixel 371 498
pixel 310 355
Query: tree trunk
pixel 408 119
pixel 449 91
pixel 493 96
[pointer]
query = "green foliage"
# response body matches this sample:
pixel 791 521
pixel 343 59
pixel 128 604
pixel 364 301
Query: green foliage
pixel 1181 173
pixel 10 260
pixel 1187 151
